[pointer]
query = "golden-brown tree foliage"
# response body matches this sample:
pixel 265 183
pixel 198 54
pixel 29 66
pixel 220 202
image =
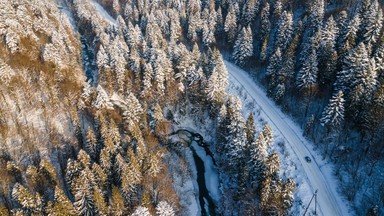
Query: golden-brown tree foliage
pixel 43 64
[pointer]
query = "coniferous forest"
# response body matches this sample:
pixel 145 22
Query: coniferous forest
pixel 106 104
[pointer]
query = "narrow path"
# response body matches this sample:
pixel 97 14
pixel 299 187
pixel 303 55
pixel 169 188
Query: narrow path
pixel 329 202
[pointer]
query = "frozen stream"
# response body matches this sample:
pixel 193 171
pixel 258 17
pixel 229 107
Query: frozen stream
pixel 207 177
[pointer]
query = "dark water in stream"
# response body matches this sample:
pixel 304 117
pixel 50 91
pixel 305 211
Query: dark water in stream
pixel 207 204
pixel 204 198
pixel 89 61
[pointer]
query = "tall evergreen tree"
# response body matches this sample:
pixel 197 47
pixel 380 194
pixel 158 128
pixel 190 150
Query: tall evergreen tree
pixel 100 205
pixel 284 31
pixel 243 48
pixel 117 203
pixel 258 155
pixel 333 115
pixel 265 24
pixel 307 76
pixel 31 204
pixel 230 25
pixel 358 77
pixel 371 21
pixel 236 133
pixel 141 211
pixel 218 80
pixel 273 68
pixel 83 193
pixel 91 143
pixel 62 205
pixel 250 10
pixel 164 209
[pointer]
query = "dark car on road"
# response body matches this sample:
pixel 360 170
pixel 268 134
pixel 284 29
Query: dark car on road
pixel 308 159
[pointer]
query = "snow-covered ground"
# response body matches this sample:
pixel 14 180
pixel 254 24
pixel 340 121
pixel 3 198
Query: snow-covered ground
pixel 104 13
pixel 316 175
pixel 185 183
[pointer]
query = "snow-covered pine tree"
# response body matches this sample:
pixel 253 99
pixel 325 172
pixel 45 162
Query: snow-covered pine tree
pixel 230 25
pixel 119 166
pixel 159 72
pixel 83 159
pixel 192 27
pixel 358 79
pixel 279 92
pixel 6 72
pixel 91 142
pixel 12 40
pixel 330 32
pixel 286 74
pixel 101 177
pixel 350 35
pixel 134 63
pixel 327 54
pixel 287 193
pixel 183 65
pixel 265 194
pixel 163 208
pixel 342 23
pixel 117 203
pixel 175 28
pixel 333 114
pixel 154 164
pixel 272 165
pixel 364 84
pixel 72 172
pixel 265 24
pixel 243 48
pixel 371 21
pixel 219 28
pixel 379 59
pixel 273 68
pixel 307 77
pixel 218 81
pixel 116 7
pixel 133 110
pixel 284 31
pixel 83 193
pixel 147 80
pixel 236 133
pixel 86 96
pixel 114 132
pixel 133 36
pixel 30 203
pixel 222 131
pixel 103 60
pixel 258 155
pixel 215 89
pixel 100 205
pixel 208 35
pixel 105 161
pixel 102 100
pixel 250 10
pixel 62 205
pixel 131 176
pixel 277 8
pixel 268 135
pixel 141 211
pixel 316 11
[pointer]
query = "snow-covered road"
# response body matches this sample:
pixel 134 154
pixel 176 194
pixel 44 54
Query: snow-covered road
pixel 329 202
